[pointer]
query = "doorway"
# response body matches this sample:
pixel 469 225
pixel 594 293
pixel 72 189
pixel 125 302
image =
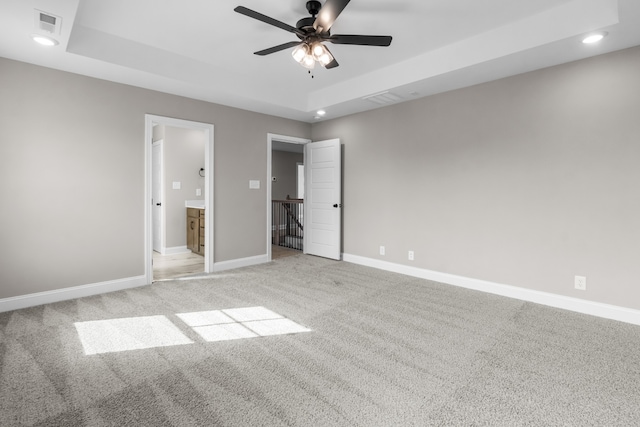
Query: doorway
pixel 322 191
pixel 289 150
pixel 151 200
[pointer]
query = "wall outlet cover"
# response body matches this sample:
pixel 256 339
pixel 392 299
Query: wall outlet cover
pixel 176 185
pixel 580 283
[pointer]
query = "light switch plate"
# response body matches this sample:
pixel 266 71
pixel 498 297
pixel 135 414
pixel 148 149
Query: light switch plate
pixel 176 185
pixel 198 192
pixel 254 184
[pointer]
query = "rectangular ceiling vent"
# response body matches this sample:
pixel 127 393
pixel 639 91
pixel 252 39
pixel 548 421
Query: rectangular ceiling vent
pixel 383 98
pixel 47 22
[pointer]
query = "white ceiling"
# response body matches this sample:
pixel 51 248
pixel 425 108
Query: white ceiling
pixel 203 49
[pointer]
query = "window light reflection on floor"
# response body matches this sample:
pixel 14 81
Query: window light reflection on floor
pixel 137 333
pixel 238 323
pixel 133 333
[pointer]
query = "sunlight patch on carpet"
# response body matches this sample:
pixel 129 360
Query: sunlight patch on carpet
pixel 238 323
pixel 137 333
pixel 225 332
pixel 248 314
pixel 133 333
pixel 266 328
pixel 202 318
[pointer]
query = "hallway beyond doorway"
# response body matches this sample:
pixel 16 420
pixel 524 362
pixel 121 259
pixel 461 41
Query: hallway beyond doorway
pixel 166 267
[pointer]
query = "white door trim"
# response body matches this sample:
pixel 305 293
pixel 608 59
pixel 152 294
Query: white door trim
pixel 207 128
pixel 270 138
pixel 161 217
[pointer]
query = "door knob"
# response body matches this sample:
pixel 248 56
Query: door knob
pixel 337 205
pixel 158 204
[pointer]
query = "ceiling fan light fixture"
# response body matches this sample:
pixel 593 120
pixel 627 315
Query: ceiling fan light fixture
pixel 299 52
pixel 318 49
pixel 308 62
pixel 325 59
pixel 302 55
pixel 321 54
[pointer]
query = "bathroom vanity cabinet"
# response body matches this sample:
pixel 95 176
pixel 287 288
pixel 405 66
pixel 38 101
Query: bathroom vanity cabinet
pixel 195 230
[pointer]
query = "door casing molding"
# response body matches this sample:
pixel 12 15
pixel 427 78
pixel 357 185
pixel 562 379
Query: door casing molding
pixel 207 128
pixel 270 138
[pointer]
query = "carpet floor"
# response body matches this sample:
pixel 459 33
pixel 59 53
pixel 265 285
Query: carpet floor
pixel 367 348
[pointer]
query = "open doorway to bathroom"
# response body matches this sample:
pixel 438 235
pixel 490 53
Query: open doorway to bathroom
pixel 180 214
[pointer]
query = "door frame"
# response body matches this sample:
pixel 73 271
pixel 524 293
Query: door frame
pixel 270 138
pixel 207 128
pixel 161 217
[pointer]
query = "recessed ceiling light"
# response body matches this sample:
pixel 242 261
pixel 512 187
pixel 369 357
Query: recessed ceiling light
pixel 321 112
pixel 44 40
pixel 593 38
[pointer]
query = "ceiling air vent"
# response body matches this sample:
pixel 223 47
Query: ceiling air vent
pixel 383 98
pixel 47 22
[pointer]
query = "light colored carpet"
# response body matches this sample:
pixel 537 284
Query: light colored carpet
pixel 383 350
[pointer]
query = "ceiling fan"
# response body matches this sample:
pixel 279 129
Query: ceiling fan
pixel 313 31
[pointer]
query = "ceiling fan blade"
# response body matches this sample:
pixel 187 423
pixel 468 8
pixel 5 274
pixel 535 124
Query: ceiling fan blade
pixel 276 48
pixel 267 20
pixel 359 40
pixel 332 64
pixel 328 14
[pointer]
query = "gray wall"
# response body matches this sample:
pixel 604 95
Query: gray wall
pixel 284 167
pixel 72 177
pixel 525 181
pixel 183 158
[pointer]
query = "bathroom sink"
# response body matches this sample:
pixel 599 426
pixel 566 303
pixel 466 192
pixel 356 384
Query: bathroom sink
pixel 199 204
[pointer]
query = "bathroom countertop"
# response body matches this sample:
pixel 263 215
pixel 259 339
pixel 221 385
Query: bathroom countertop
pixel 197 204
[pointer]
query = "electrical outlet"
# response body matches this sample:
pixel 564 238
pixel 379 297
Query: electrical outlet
pixel 580 283
pixel 410 255
pixel 382 251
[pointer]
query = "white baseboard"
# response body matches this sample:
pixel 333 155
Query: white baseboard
pixel 240 262
pixel 606 311
pixel 175 250
pixel 31 300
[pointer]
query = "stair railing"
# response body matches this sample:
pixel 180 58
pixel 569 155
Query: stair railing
pixel 287 223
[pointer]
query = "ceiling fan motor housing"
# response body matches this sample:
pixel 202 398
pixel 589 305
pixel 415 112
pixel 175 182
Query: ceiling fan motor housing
pixel 313 7
pixel 306 25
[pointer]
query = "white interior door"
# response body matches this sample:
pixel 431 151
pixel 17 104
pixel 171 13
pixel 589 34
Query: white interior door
pixel 156 195
pixel 323 199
